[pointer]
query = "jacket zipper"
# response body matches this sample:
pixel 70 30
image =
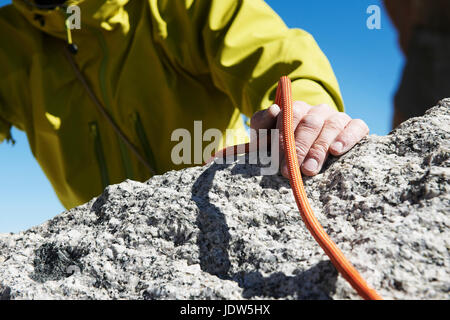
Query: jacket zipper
pixel 123 141
pixel 99 154
pixel 143 140
pixel 102 77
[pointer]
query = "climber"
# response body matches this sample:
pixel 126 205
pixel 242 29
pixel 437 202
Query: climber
pixel 99 103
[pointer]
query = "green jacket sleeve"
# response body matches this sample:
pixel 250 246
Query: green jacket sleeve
pixel 14 70
pixel 5 128
pixel 246 47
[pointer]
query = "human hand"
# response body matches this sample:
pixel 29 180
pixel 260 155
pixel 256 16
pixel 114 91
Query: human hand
pixel 319 131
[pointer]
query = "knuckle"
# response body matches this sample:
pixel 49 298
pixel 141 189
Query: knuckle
pixel 338 121
pixel 312 121
pixel 319 149
pixel 323 106
pixel 298 113
pixel 300 105
pixel 361 125
pixel 334 123
pixel 349 138
pixel 301 150
pixel 322 109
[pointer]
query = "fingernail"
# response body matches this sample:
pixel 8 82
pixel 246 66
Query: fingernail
pixel 311 165
pixel 338 147
pixel 274 110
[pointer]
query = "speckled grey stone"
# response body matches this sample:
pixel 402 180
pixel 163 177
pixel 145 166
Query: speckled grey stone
pixel 226 232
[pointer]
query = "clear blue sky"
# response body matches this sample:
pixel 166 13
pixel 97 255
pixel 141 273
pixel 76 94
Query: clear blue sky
pixel 367 64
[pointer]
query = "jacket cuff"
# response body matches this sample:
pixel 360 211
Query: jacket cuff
pixel 5 131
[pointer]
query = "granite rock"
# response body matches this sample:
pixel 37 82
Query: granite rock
pixel 224 231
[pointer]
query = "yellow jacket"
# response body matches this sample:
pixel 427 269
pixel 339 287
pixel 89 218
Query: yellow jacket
pixel 156 65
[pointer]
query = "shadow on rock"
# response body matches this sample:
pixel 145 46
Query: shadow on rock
pixel 5 292
pixel 214 237
pixel 318 282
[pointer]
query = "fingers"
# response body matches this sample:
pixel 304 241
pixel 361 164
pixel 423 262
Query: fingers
pixel 306 133
pixel 265 119
pixel 355 130
pixel 319 131
pixel 318 152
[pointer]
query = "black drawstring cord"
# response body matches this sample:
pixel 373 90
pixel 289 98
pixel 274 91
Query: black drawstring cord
pixel 105 113
pixel 73 48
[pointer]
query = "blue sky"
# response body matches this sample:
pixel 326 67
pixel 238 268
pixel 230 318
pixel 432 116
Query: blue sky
pixel 367 64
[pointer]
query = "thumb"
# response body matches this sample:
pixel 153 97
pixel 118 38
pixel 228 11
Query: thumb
pixel 265 119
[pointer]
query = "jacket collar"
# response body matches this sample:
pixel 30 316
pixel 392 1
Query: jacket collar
pixel 106 14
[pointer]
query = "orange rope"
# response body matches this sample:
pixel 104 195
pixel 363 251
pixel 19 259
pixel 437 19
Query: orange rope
pixel 284 101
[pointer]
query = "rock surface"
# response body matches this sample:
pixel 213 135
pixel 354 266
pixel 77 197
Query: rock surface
pixel 225 231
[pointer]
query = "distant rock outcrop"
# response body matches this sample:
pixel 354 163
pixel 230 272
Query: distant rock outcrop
pixel 424 36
